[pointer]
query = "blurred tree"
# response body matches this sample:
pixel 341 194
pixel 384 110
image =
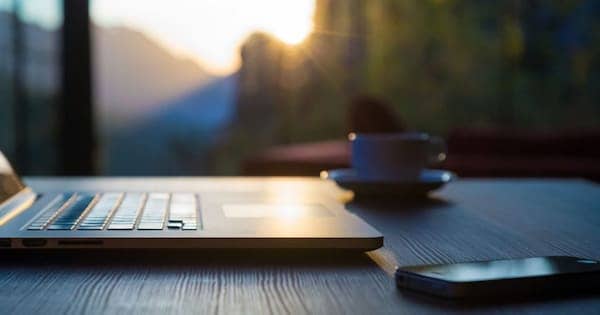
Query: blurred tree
pixel 441 63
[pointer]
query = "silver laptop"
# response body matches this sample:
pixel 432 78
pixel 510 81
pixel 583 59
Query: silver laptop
pixel 177 213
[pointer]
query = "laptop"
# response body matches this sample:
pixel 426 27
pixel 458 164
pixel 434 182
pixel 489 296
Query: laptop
pixel 177 213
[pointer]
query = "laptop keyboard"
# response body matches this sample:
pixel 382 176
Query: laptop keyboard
pixel 119 211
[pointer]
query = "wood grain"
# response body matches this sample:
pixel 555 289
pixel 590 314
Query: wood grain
pixel 468 220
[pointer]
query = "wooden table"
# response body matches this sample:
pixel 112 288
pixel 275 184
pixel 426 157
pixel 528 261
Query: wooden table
pixel 467 220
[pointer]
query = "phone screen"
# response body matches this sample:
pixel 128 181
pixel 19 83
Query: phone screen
pixel 506 269
pixel 10 184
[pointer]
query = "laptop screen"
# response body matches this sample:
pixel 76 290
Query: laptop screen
pixel 10 184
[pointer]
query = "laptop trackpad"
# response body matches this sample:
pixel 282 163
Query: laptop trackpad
pixel 275 211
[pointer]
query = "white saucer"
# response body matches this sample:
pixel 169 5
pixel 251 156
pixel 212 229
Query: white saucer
pixel 429 180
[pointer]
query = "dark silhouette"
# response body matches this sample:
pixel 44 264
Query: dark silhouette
pixel 76 123
pixel 371 115
pixel 20 108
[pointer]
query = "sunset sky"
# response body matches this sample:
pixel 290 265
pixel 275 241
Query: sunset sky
pixel 209 31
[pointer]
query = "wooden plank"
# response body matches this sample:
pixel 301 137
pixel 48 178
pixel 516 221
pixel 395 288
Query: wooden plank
pixel 468 220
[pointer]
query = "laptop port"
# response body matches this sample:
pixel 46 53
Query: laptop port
pixel 79 242
pixel 34 242
pixel 5 242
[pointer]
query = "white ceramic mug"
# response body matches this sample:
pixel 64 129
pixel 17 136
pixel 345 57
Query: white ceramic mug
pixel 399 156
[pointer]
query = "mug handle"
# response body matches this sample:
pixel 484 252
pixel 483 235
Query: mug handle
pixel 438 151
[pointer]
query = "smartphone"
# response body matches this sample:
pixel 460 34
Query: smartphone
pixel 510 277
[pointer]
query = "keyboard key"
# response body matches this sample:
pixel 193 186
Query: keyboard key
pixel 175 225
pixel 127 213
pixel 50 212
pixel 70 215
pixel 150 226
pixel 183 210
pixel 117 226
pixel 189 227
pixel 99 214
pixel 155 211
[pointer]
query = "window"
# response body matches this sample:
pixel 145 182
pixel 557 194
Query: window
pixel 225 87
pixel 30 83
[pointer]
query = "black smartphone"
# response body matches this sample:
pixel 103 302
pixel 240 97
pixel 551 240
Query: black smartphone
pixel 510 277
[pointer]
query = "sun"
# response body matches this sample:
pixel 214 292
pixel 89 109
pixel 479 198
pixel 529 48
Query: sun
pixel 292 32
pixel 290 21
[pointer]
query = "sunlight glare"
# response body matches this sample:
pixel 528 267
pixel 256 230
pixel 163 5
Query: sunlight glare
pixel 209 31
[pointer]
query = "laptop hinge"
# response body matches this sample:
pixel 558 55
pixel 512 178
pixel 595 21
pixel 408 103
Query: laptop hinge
pixel 16 204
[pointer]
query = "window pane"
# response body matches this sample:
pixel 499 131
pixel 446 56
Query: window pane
pixel 166 74
pixel 210 87
pixel 42 78
pixel 6 83
pixel 30 67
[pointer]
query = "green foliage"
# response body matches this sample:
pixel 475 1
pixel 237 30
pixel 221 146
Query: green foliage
pixel 441 64
pixel 445 64
pixel 448 64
